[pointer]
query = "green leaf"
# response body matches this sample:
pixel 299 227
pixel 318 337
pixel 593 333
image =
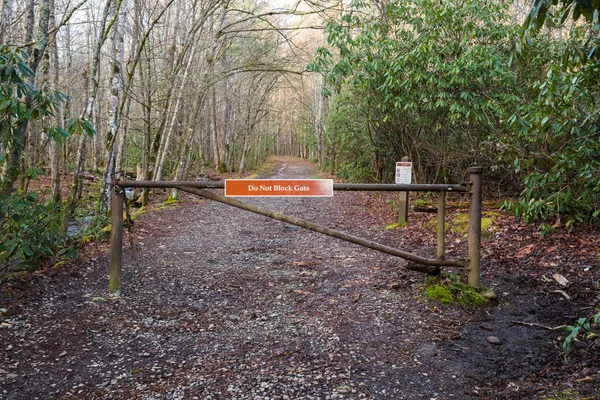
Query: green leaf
pixel 5 104
pixel 87 127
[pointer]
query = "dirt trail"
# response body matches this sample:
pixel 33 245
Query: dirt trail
pixel 222 303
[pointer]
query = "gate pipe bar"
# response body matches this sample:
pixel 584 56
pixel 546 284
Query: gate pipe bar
pixel 396 187
pixel 441 226
pixel 329 232
pixel 375 187
pixel 170 184
pixel 475 227
pixel 116 241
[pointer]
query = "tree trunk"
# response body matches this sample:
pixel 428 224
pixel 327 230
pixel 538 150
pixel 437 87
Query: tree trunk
pixel 75 192
pixel 117 49
pixel 5 19
pixel 188 140
pixel 216 146
pixel 122 142
pixel 59 119
pixel 213 130
pixel 160 165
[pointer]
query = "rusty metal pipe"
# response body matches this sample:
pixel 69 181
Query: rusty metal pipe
pixel 336 186
pixel 475 227
pixel 170 184
pixel 441 226
pixel 387 187
pixel 116 241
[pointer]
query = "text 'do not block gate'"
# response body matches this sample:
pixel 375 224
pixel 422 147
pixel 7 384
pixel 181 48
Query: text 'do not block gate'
pixel 279 187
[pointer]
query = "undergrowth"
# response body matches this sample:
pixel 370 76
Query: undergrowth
pixel 30 232
pixel 584 329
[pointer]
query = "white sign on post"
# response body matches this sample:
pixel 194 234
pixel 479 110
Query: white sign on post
pixel 404 172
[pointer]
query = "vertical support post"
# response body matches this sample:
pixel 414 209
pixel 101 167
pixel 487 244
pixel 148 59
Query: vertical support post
pixel 475 227
pixel 403 202
pixel 116 240
pixel 441 226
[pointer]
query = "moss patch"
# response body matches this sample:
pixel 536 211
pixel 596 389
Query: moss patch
pixel 450 289
pixel 264 169
pixel 460 223
pixel 440 293
pixel 470 297
pixel 422 203
pixel 396 225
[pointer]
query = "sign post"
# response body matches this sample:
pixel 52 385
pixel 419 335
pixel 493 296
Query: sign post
pixel 403 176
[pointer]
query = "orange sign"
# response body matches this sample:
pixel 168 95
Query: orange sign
pixel 279 187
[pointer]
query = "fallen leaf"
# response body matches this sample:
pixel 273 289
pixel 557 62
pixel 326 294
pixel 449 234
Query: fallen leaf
pixel 560 279
pixel 356 297
pixel 300 263
pixel 302 292
pixel 525 250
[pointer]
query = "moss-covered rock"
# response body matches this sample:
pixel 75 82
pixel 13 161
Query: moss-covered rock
pixel 450 289
pixel 470 297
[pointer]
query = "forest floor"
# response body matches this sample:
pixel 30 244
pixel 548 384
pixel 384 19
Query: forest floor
pixel 219 303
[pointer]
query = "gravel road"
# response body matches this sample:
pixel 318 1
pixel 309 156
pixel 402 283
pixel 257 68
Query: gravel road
pixel 224 304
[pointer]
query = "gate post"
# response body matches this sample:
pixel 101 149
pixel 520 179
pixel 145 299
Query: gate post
pixel 441 226
pixel 475 227
pixel 116 241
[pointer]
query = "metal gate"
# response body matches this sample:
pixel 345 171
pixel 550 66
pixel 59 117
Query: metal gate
pixel 429 265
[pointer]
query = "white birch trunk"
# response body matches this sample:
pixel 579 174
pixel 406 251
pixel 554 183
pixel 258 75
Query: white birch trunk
pixel 171 127
pixel 188 140
pixel 59 119
pixel 118 40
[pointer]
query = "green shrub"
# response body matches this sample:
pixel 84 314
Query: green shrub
pixel 582 329
pixel 29 232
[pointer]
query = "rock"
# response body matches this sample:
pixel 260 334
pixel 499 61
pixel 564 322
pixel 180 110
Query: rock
pixel 489 294
pixel 494 340
pixel 343 389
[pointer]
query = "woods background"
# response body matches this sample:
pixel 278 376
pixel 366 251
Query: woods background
pixel 165 89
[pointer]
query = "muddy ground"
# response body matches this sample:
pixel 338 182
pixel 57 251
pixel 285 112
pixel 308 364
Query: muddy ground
pixel 219 303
